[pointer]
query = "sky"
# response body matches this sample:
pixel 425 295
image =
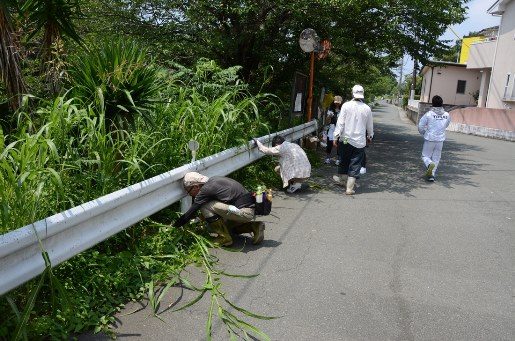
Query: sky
pixel 477 19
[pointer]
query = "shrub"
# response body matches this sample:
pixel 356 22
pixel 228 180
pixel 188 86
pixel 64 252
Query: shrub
pixel 119 78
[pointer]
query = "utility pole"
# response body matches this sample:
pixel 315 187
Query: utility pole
pixel 310 90
pixel 413 81
pixel 400 82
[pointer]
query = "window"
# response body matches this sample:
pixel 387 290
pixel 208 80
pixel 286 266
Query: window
pixel 506 86
pixel 513 89
pixel 461 87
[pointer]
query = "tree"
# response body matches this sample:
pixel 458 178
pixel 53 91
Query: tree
pixel 55 18
pixel 263 34
pixel 10 70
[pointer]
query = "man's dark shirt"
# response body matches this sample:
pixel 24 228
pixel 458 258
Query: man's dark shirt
pixel 221 189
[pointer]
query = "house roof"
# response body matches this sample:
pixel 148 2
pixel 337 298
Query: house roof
pixel 498 7
pixel 432 63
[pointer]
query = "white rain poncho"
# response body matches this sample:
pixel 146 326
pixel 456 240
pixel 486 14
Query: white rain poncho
pixel 433 124
pixel 292 159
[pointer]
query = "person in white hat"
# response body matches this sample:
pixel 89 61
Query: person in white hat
pixel 226 206
pixel 354 127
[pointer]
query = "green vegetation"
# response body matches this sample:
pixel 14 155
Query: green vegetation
pixel 74 149
pixel 99 94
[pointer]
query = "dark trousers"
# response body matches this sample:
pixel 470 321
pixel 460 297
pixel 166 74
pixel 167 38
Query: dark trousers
pixel 329 147
pixel 351 159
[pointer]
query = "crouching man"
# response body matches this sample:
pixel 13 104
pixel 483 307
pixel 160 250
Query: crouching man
pixel 226 206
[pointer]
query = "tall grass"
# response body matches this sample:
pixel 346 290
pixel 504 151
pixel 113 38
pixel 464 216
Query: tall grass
pixel 67 152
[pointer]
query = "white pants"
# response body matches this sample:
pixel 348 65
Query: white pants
pixel 431 153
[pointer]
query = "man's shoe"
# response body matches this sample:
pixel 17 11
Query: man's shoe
pixel 224 236
pixel 327 161
pixel 429 172
pixel 294 187
pixel 431 179
pixel 223 240
pixel 351 182
pixel 258 232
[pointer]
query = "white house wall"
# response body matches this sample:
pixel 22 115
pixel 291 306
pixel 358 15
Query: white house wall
pixel 481 55
pixel 445 84
pixel 504 63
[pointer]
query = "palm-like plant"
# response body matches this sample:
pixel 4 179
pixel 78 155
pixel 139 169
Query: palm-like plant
pixel 119 78
pixel 55 17
pixel 10 71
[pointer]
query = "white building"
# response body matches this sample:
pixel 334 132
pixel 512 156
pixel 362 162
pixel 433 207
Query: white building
pixel 451 81
pixel 495 60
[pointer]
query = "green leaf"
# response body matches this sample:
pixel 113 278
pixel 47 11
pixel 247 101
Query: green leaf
pixel 198 298
pixel 20 328
pixel 209 322
pixel 248 327
pixel 248 313
pixel 237 276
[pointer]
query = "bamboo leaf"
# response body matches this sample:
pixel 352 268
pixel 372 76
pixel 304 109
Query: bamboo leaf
pixel 20 328
pixel 236 275
pixel 209 321
pixel 248 313
pixel 17 313
pixel 248 327
pixel 198 298
pixel 188 285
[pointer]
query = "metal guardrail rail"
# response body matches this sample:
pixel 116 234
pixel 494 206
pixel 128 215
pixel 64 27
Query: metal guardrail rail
pixel 68 233
pixel 413 104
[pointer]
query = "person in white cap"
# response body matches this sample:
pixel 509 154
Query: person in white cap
pixel 353 128
pixel 225 205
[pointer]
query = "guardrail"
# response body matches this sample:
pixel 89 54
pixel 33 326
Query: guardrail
pixel 413 104
pixel 68 233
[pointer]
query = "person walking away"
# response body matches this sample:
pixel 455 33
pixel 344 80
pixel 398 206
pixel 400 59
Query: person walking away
pixel 294 167
pixel 330 134
pixel 225 205
pixel 353 128
pixel 432 126
pixel 332 114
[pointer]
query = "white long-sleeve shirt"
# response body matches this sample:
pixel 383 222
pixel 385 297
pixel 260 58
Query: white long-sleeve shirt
pixel 354 123
pixel 433 124
pixel 292 159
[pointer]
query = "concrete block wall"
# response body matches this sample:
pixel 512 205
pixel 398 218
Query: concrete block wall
pixel 493 123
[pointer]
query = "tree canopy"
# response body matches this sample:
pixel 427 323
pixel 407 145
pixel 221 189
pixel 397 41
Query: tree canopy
pixel 261 36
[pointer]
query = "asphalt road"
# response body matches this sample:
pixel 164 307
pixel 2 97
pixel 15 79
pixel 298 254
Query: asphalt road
pixel 403 259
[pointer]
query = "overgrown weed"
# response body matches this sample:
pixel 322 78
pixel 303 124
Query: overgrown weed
pixel 66 152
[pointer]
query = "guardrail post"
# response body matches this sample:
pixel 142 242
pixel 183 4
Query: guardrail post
pixel 185 204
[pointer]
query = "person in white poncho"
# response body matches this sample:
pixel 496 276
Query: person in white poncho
pixel 432 125
pixel 294 167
